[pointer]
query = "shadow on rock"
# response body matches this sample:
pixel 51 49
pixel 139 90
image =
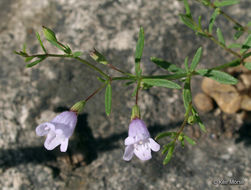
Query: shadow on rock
pixel 244 134
pixel 83 147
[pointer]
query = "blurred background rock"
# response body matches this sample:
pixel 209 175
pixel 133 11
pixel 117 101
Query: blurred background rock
pixel 94 158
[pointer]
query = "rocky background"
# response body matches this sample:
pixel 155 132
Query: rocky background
pixel 94 158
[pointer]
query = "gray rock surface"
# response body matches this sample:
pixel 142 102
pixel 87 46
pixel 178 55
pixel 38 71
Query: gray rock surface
pixel 94 159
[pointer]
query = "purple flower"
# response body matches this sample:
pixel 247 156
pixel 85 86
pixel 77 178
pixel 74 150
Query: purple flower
pixel 58 130
pixel 139 141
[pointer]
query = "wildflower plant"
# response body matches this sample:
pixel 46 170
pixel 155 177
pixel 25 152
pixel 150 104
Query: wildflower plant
pixel 139 142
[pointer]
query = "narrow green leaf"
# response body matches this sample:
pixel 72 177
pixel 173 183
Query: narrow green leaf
pixel 56 44
pixel 235 45
pixel 199 21
pixel 134 92
pixel 189 22
pixel 189 140
pixel 35 62
pixel 238 34
pixel 248 65
pixel 67 49
pixel 196 59
pixel 218 76
pixel 186 64
pixel 166 65
pixel 212 20
pixel 225 3
pixel 220 36
pixel 187 96
pixel 188 12
pixel 162 83
pixel 196 115
pixel 28 59
pixel 164 134
pixel 101 79
pixel 77 54
pixel 24 48
pixel 108 99
pixel 139 50
pixel 166 147
pixel 169 155
pixel 49 34
pixel 40 42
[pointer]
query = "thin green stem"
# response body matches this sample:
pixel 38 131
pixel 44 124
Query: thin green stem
pixel 95 92
pixel 184 122
pixel 77 58
pixel 92 66
pixel 222 45
pixel 137 91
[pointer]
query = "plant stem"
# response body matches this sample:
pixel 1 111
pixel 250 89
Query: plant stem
pixel 95 92
pixel 137 91
pixel 184 122
pixel 92 66
pixel 222 45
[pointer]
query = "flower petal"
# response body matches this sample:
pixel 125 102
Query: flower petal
pixel 129 141
pixel 138 128
pixel 143 152
pixel 68 118
pixel 52 141
pixel 44 128
pixel 128 153
pixel 64 145
pixel 153 145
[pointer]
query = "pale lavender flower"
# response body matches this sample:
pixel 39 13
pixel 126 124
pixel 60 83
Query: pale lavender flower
pixel 58 130
pixel 139 141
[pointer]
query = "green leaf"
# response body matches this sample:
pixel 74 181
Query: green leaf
pixel 67 49
pixel 220 36
pixel 134 92
pixel 40 42
pixel 212 20
pixel 108 99
pixel 28 59
pixel 166 147
pixel 35 62
pixel 198 120
pixel 77 54
pixel 199 21
pixel 206 2
pixel 189 140
pixel 218 76
pixel 166 65
pixel 164 134
pixel 189 22
pixel 139 50
pixel 238 34
pixel 235 45
pixel 58 45
pixel 248 65
pixel 162 83
pixel 225 3
pixel 249 23
pixel 24 48
pixel 188 12
pixel 169 155
pixel 49 34
pixel 196 59
pixel 186 64
pixel 187 96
